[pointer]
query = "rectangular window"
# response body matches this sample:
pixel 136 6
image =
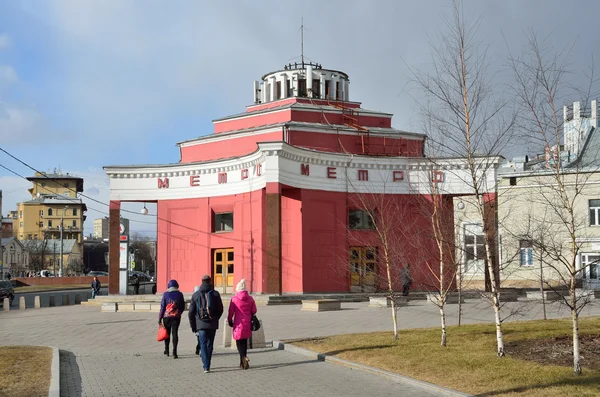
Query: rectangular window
pixel 290 92
pixel 41 212
pixel 316 88
pixel 594 212
pixel 49 211
pixel 21 215
pixel 473 247
pixel 49 224
pixel 513 181
pixel 20 224
pixel 526 252
pixel 223 222
pixel 74 211
pixel 359 219
pixel 30 237
pixel 302 87
pixel 74 223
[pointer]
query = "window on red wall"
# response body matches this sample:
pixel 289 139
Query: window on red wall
pixel 361 219
pixel 222 222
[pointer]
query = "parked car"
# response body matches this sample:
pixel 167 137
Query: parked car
pixel 7 291
pixel 97 273
pixel 147 283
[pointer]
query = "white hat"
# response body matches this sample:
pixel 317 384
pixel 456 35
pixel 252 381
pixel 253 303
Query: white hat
pixel 241 286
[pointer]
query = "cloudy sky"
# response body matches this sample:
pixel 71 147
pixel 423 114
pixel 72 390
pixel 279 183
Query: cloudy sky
pixel 90 83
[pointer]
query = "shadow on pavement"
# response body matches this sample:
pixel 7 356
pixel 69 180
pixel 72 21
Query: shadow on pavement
pixel 70 377
pixel 263 367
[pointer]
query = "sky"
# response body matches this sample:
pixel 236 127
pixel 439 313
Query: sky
pixel 85 84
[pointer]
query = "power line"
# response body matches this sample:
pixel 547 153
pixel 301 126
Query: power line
pixel 55 180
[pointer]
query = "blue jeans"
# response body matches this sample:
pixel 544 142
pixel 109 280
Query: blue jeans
pixel 206 338
pixel 94 293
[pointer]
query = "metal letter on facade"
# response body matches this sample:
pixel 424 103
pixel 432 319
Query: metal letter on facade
pixel 222 177
pixel 363 175
pixel 194 180
pixel 163 183
pixel 304 170
pixel 244 174
pixel 398 176
pixel 438 176
pixel 331 173
pixel 258 169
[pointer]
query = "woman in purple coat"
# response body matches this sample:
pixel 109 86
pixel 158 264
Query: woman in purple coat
pixel 241 310
pixel 172 306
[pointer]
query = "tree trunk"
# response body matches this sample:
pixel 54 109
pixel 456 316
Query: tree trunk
pixel 575 318
pixel 391 292
pixel 460 280
pixel 443 317
pixel 542 287
pixel 394 317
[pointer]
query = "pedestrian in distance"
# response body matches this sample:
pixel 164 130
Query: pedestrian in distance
pixel 406 280
pixel 136 285
pixel 172 306
pixel 241 310
pixel 95 287
pixel 206 308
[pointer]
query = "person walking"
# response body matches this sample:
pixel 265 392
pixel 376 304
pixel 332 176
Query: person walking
pixel 172 306
pixel 405 279
pixel 196 289
pixel 136 285
pixel 206 308
pixel 241 310
pixel 95 287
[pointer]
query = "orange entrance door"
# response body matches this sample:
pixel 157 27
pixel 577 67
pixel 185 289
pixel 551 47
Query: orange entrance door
pixel 223 270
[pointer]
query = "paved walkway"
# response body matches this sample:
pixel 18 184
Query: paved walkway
pixel 115 354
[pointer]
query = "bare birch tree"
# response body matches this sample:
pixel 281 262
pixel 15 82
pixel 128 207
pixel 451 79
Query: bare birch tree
pixel 561 188
pixel 467 121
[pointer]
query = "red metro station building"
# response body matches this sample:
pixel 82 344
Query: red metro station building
pixel 271 196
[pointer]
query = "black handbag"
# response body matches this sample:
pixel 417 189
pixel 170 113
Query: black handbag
pixel 255 323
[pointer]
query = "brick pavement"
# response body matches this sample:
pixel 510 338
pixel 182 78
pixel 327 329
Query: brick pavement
pixel 110 354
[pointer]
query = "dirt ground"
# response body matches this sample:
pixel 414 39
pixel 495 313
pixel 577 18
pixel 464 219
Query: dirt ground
pixel 558 351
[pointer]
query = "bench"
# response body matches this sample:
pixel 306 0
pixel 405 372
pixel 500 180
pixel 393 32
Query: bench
pixel 321 305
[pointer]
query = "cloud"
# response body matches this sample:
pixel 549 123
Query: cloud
pixel 7 75
pixel 5 41
pixel 21 125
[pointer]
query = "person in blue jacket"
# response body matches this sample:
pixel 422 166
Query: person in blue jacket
pixel 172 306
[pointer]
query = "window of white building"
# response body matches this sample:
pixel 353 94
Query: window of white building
pixel 473 247
pixel 594 212
pixel 526 252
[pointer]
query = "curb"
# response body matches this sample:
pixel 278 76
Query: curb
pixel 54 390
pixel 365 368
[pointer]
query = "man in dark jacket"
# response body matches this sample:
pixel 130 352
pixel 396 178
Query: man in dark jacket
pixel 206 308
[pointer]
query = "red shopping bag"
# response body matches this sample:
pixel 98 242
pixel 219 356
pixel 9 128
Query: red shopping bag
pixel 162 334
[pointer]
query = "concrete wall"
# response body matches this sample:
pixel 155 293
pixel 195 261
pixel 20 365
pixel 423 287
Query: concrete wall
pixel 60 280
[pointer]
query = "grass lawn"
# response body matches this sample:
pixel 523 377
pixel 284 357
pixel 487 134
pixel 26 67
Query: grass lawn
pixel 25 371
pixel 44 288
pixel 539 363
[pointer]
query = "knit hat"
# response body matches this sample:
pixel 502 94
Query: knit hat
pixel 241 286
pixel 173 283
pixel 206 277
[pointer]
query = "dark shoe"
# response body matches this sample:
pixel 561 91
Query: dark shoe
pixel 197 350
pixel 166 352
pixel 174 355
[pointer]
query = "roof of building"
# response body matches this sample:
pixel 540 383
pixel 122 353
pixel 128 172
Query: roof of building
pixel 50 199
pixel 51 245
pixel 590 153
pixel 6 240
pixel 54 175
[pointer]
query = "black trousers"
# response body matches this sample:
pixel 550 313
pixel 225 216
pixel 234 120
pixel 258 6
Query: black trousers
pixel 242 348
pixel 172 326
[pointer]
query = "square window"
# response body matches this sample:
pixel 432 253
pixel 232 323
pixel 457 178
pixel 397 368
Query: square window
pixel 359 219
pixel 223 222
